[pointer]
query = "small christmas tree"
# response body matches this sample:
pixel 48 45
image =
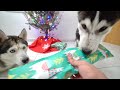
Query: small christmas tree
pixel 43 20
pixel 46 21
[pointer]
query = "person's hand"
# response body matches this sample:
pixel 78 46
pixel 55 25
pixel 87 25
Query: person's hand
pixel 86 70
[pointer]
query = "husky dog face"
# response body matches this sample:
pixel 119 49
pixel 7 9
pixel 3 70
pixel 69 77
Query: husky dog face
pixel 93 27
pixel 13 49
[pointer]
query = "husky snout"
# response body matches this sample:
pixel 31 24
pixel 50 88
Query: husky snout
pixel 25 60
pixel 24 57
pixel 86 51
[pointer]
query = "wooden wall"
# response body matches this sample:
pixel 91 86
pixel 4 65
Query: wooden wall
pixel 114 36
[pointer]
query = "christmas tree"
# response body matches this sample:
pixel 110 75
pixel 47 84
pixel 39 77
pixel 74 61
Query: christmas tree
pixel 43 20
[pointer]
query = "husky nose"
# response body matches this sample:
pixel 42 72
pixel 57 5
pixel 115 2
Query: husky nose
pixel 86 51
pixel 26 60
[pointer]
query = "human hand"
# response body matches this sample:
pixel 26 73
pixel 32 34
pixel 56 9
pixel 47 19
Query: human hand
pixel 86 70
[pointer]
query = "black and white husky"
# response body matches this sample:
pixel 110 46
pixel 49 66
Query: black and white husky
pixel 93 26
pixel 13 50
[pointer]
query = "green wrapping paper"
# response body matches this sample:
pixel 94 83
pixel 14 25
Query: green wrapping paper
pixel 59 45
pixel 57 65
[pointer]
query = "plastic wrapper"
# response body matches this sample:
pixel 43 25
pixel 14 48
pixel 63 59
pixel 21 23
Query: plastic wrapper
pixel 57 65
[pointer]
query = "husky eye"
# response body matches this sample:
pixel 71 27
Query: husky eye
pixel 24 47
pixel 84 26
pixel 12 51
pixel 103 29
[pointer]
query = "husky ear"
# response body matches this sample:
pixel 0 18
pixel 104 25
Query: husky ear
pixel 2 36
pixel 23 34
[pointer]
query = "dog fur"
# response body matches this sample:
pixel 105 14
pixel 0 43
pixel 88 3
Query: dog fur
pixel 93 26
pixel 13 50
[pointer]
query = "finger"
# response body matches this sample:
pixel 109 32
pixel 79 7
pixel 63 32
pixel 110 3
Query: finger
pixel 73 62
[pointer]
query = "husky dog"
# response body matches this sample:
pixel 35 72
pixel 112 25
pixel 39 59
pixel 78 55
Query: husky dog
pixel 13 50
pixel 93 26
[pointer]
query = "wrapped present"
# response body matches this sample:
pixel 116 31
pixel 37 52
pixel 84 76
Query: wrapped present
pixel 57 65
pixel 59 45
